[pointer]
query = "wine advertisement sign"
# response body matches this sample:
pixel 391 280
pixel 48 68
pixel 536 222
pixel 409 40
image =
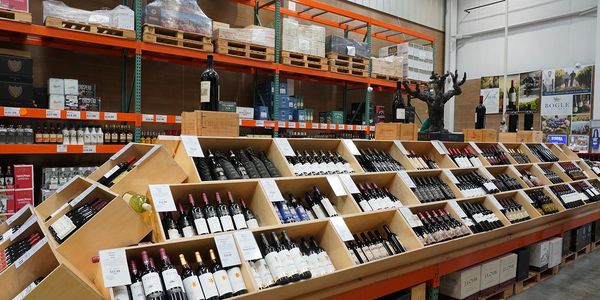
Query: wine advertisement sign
pixel 490 90
pixel 572 80
pixel 523 91
pixel 556 124
pixel 557 105
pixel 530 91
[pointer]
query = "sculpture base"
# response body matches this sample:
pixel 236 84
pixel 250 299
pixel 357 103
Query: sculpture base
pixel 441 136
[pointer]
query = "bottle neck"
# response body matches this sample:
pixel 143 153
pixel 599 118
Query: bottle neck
pixel 209 62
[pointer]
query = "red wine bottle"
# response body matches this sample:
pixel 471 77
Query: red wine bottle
pixel 170 226
pixel 136 287
pixel 197 214
pixel 398 108
pixel 184 223
pixel 249 215
pixel 209 87
pixel 236 213
pixel 480 111
pixel 223 213
pixel 210 213
pixel 221 277
pixel 115 171
pixel 171 278
pixel 206 278
pixel 191 284
pixel 151 280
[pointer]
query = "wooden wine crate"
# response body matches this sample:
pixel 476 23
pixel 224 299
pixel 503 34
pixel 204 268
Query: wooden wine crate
pixel 520 147
pixel 396 131
pixel 340 146
pixel 507 137
pixel 557 169
pixel 487 146
pixel 522 199
pixel 554 199
pixel 449 176
pixel 210 123
pixel 231 143
pixel 169 142
pixel 115 225
pixel 154 165
pixel 586 168
pixel 508 170
pixel 439 205
pixel 470 146
pixel 390 180
pixel 427 148
pixel 394 148
pixel 487 203
pixel 534 170
pixel 530 136
pixel 568 152
pixel 435 173
pixel 480 135
pixel 555 148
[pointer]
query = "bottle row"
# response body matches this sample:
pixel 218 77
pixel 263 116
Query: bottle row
pixel 66 134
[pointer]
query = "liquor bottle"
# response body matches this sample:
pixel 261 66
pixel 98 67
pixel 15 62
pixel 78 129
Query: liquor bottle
pixel 206 278
pixel 398 108
pixel 513 121
pixel 528 120
pixel 45 135
pixel 273 262
pixel 73 135
pixel 218 173
pixel 129 135
pixel 197 214
pixel 170 226
pixel 480 111
pixel 221 277
pixel 184 223
pixel 209 87
pixel 39 135
pixel 116 171
pixel 239 167
pixel 107 135
pixel 136 287
pixel 65 134
pixel 151 280
pixel 223 214
pixel 329 208
pixel 393 239
pixel 191 284
pixel 314 206
pixel 248 215
pixel 171 278
pixel 290 270
pixel 410 110
pixel 512 98
pixel 298 208
pixel 210 213
pixel 74 219
pixel 296 256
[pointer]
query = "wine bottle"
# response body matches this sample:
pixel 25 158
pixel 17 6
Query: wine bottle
pixel 151 280
pixel 184 223
pixel 221 277
pixel 137 286
pixel 239 167
pixel 210 212
pixel 209 87
pixel 116 171
pixel 393 239
pixel 291 272
pixel 249 215
pixel 296 256
pixel 299 209
pixel 512 98
pixel 170 226
pixel 314 206
pixel 238 286
pixel 329 208
pixel 197 214
pixel 273 262
pixel 66 225
pixel 312 258
pixel 206 278
pixel 223 213
pixel 528 120
pixel 324 259
pixel 236 212
pixel 513 121
pixel 480 111
pixel 398 108
pixel 218 173
pixel 171 278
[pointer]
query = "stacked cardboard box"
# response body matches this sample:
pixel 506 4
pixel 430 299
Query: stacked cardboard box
pixel 252 34
pixel 344 46
pixel 71 95
pixel 418 60
pixel 16 78
pixel 21 5
pixel 306 39
pixel 184 15
pixel 18 191
pixel 389 66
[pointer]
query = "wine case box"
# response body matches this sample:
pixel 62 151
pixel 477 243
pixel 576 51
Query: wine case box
pixel 210 123
pixel 522 263
pixel 555 257
pixel 522 199
pixel 251 191
pixel 595 231
pixel 539 256
pixel 567 239
pixel 230 143
pixel 154 165
pixel 396 131
pixel 463 284
pixel 585 168
pixel 299 144
pixel 7 200
pixel 23 176
pixel 170 143
pixel 581 237
pixel 490 277
pixel 530 136
pixel 509 171
pixel 427 148
pixel 481 135
pixel 115 225
pixel 508 268
pixel 562 156
pixel 507 137
pixel 487 203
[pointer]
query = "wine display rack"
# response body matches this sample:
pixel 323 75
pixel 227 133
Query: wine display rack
pixel 168 165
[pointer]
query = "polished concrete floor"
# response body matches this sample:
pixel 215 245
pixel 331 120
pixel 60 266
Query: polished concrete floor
pixel 578 280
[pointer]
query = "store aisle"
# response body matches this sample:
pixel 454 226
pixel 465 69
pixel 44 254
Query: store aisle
pixel 579 280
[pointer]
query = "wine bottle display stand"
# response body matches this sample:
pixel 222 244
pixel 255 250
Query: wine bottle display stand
pixel 508 171
pixel 390 180
pixel 522 199
pixel 586 168
pixel 388 147
pixel 557 170
pixel 520 148
pixel 332 145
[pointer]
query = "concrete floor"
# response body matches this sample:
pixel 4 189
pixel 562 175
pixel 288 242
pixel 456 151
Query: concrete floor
pixel 578 280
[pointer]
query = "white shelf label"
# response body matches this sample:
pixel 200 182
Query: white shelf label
pixel 81 196
pixel 147 118
pixel 486 173
pixel 161 119
pixel 192 145
pixel 92 115
pixel 89 148
pixel 323 126
pixel 336 185
pixel 162 197
pixel 413 221
pixel 451 176
pixel 281 124
pixel 113 264
pixel 341 127
pixel 61 148
pixel 457 208
pixel 351 146
pixel 110 116
pixel 407 180
pixel 120 152
pixel 260 123
pixel 178 119
pixel 25 226
pixel 341 228
pixel 52 114
pixel 19 262
pixel 401 147
pixel 439 147
pixel 302 125
pixel 247 244
pixel 475 147
pixel 18 214
pixel 12 112
pixel 495 202
pixel 291 125
pixel 272 190
pixel 227 250
pixel 285 146
pixel 349 184
pixel 73 115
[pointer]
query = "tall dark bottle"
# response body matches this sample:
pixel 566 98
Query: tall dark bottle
pixel 512 96
pixel 513 121
pixel 236 213
pixel 115 171
pixel 210 213
pixel 218 173
pixel 207 281
pixel 171 278
pixel 528 122
pixel 223 213
pixel 209 87
pixel 151 280
pixel 480 114
pixel 221 277
pixel 398 108
pixel 197 215
pixel 410 111
pixel 191 284
pixel 185 224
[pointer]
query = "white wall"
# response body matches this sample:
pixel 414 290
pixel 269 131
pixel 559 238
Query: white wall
pixel 542 34
pixel 425 12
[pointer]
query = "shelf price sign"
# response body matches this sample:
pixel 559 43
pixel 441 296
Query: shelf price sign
pixel 12 112
pixel 273 193
pixel 341 228
pixel 192 145
pixel 73 115
pixel 162 197
pixel 247 244
pixel 227 250
pixel 113 264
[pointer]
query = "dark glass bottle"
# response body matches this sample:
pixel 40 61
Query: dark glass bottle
pixel 206 278
pixel 209 87
pixel 513 121
pixel 480 114
pixel 218 173
pixel 136 287
pixel 210 212
pixel 220 276
pixel 236 213
pixel 512 96
pixel 171 278
pixel 528 120
pixel 191 284
pixel 410 110
pixel 223 213
pixel 170 226
pixel 197 215
pixel 249 215
pixel 184 223
pixel 151 280
pixel 398 108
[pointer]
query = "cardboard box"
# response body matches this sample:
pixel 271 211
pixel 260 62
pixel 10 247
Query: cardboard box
pixel 507 137
pixel 7 201
pixel 16 69
pixel 56 101
pixel 490 277
pixel 595 231
pixel 17 94
pixel 210 123
pixel 396 131
pixel 461 284
pixel 489 135
pixel 256 35
pixel 530 137
pixel 87 90
pixel 23 197
pixel 344 46
pixel 300 115
pixel 56 86
pixel 555 257
pixel 71 102
pixel 71 86
pixel 261 113
pixel 23 175
pixel 245 112
pixel 508 267
pixel 90 103
pixel 581 237
pixel 21 5
pixel 522 263
pixel 539 255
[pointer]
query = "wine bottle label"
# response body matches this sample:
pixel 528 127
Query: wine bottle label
pixel 311 215
pixel 192 287
pixel 201 226
pixel 326 262
pixel 204 91
pixel 263 271
pixel 111 172
pixel 476 162
pixel 240 222
pixel 293 214
pixel 252 223
pixel 209 286
pixel 173 234
pixel 256 276
pixel 188 231
pixel 368 253
pixel 274 265
pixel 374 204
pixel 354 258
pixel 375 251
pixel 299 260
pixel 364 204
pixel 298 168
pixel 152 283
pixel 172 279
pixel 331 167
pixel 388 202
pixel 328 207
pixel 349 168
pixel 301 212
pixel 400 113
pixel 227 223
pixel 214 224
pixel 342 168
pixel 398 204
pixel 63 226
pixel 137 291
pixel 318 211
pixel 222 282
pixel 314 265
pixel 236 279
pixel 287 263
pixel 120 293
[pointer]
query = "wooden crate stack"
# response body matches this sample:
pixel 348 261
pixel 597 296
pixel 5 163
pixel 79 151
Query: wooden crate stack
pixel 177 38
pixel 350 65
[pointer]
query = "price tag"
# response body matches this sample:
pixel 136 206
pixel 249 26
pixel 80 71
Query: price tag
pixel 247 244
pixel 336 185
pixel 92 115
pixel 89 148
pixel 291 125
pixel 52 114
pixel 281 124
pixel 269 124
pixel 341 127
pixel 284 146
pixel 148 154
pixel 439 147
pixel 192 145
pixel 351 146
pixel 451 176
pixel 61 148
pixel 407 179
pixel 486 173
pixel 227 250
pixel 62 187
pixel 18 214
pixel 272 190
pixel 401 147
pixel 147 118
pixel 302 125
pixel 82 196
pixel 120 152
pixel 23 227
pixel 19 262
pixel 349 184
pixel 495 202
pixel 341 228
pixel 475 147
pixel 260 123
pixel 109 116
pixel 74 115
pixel 162 197
pixel 323 126
pixel 178 119
pixel 161 119
pixel 457 208
pixel 12 112
pixel 113 264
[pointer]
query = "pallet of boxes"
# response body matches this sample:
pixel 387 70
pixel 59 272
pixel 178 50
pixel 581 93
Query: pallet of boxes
pixel 347 56
pixel 15 10
pixel 180 24
pixel 417 61
pixel 303 45
pixel 254 42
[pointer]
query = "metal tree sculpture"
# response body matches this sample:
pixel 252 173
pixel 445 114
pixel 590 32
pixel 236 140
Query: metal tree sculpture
pixel 436 99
